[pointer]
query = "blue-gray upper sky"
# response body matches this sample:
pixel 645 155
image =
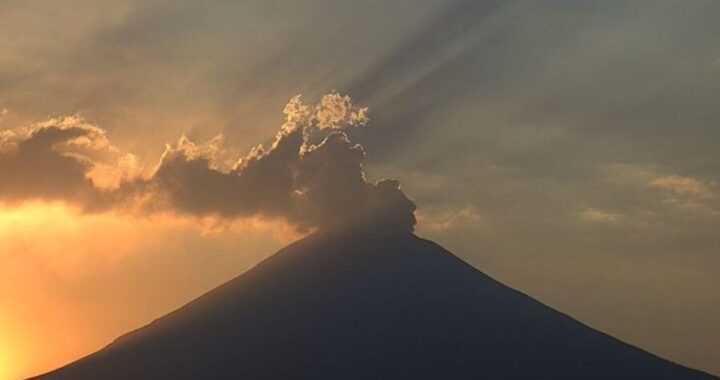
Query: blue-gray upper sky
pixel 569 148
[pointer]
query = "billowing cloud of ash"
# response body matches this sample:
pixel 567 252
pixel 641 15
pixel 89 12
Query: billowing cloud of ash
pixel 311 176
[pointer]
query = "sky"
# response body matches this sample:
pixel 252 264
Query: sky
pixel 566 148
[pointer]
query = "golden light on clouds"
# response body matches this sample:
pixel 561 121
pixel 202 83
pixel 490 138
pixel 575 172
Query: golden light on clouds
pixel 600 216
pixel 71 282
pixel 590 153
pixel 683 186
pixel 95 243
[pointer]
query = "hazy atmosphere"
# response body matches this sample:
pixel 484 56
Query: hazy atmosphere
pixel 568 149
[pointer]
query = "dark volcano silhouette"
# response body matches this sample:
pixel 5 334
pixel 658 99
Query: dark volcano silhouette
pixel 342 305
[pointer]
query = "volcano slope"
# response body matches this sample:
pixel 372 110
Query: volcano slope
pixel 360 305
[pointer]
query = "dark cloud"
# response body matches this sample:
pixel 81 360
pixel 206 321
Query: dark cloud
pixel 40 163
pixel 310 185
pixel 331 186
pixel 511 110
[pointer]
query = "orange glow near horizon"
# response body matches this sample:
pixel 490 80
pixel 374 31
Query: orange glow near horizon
pixel 72 282
pixel 5 355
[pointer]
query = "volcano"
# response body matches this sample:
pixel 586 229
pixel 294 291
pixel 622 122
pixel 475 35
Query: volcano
pixel 356 305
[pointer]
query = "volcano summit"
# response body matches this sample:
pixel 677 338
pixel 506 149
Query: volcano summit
pixel 343 304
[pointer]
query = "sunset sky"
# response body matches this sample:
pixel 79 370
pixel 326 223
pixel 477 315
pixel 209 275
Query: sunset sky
pixel 567 148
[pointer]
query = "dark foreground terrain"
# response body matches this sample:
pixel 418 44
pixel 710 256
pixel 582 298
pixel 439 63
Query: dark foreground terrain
pixel 367 306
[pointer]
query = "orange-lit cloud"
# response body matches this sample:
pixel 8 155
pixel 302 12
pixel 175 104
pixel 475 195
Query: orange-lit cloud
pixel 600 216
pixel 93 242
pixel 311 176
pixel 474 104
pixel 443 220
pixel 684 186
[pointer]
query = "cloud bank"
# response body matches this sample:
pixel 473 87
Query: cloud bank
pixel 50 160
pixel 311 176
